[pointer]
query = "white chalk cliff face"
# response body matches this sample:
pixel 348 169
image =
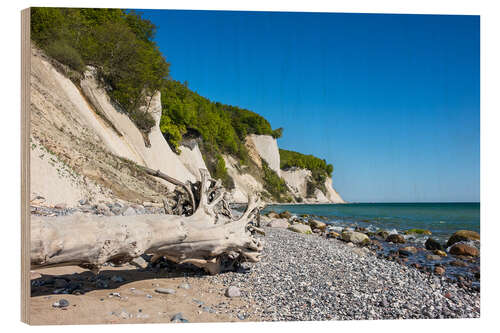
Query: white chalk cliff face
pixel 244 183
pixel 69 128
pixel 192 159
pixel 131 144
pixel 267 147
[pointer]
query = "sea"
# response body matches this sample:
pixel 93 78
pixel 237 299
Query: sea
pixel 442 219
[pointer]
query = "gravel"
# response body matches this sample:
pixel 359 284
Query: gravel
pixel 306 277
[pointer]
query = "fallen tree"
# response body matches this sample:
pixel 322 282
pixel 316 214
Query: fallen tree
pixel 209 238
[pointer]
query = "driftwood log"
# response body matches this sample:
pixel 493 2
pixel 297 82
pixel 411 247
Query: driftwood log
pixel 210 238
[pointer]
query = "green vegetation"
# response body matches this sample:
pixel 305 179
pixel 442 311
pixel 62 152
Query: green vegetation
pixel 118 43
pixel 318 167
pixel 417 232
pixel 222 127
pixel 274 184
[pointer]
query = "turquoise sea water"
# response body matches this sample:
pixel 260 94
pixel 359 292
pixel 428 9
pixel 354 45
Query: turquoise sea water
pixel 442 219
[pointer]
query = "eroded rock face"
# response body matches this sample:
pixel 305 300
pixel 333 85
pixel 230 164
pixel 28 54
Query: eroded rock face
pixel 86 132
pixel 244 183
pixel 192 159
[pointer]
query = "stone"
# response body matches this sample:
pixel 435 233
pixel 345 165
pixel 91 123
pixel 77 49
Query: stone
pixel 432 244
pixel 462 235
pixel 333 234
pixel 433 257
pixel 415 231
pixel 200 303
pixel 179 318
pixel 279 223
pixel 355 237
pixel 185 286
pixel 116 210
pixel 62 303
pixel 273 215
pixel 233 291
pixel 207 309
pixel 439 270
pixel 315 224
pixel 464 250
pixel 129 212
pixel 102 209
pixel 300 228
pixel 382 234
pixel 396 238
pixel 83 201
pixel 285 215
pixel 124 314
pixel 440 253
pixel 139 262
pixel 459 263
pixel 139 209
pixel 407 251
pixel 167 291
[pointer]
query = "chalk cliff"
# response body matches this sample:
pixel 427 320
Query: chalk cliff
pixel 85 146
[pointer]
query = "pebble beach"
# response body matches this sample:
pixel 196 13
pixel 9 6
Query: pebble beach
pixel 301 277
pixel 307 277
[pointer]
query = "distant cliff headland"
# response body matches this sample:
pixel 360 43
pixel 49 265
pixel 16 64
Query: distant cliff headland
pixel 103 104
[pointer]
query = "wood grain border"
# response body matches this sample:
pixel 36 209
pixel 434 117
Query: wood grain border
pixel 25 164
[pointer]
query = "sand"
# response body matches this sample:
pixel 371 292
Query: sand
pixel 97 306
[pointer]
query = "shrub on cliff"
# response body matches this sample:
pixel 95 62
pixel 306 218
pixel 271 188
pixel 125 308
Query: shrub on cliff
pixel 118 43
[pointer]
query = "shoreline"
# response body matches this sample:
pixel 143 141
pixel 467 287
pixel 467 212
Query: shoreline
pixel 299 277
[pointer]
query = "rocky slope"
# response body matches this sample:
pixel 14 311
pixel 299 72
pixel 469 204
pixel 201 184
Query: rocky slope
pixel 85 147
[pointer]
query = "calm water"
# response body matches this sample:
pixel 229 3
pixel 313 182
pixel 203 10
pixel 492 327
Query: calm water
pixel 442 219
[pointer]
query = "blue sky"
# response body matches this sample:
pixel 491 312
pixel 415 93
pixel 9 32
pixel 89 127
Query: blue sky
pixel 392 101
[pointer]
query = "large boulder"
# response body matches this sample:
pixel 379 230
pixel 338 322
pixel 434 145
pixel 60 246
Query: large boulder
pixel 432 244
pixel 315 224
pixel 396 238
pixel 272 214
pixel 279 223
pixel 300 228
pixel 464 250
pixel 355 237
pixel 462 235
pixel 382 234
pixel 407 251
pixel 285 215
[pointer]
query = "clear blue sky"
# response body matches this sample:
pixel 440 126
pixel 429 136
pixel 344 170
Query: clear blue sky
pixel 392 101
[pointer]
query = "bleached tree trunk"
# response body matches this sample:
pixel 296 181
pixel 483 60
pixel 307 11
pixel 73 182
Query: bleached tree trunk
pixel 210 238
